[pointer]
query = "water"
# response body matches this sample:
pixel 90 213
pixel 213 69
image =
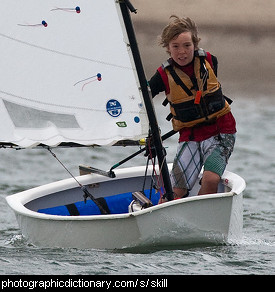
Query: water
pixel 253 159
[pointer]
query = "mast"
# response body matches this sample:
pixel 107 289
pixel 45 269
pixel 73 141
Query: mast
pixel 125 6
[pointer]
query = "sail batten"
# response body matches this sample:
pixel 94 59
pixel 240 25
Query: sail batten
pixel 71 80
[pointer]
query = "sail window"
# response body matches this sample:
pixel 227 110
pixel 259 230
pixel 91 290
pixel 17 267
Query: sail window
pixel 27 117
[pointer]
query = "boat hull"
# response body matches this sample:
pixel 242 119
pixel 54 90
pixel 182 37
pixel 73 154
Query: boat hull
pixel 214 218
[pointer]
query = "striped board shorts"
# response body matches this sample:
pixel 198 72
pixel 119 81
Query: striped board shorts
pixel 212 153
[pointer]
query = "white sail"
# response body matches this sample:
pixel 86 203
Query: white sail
pixel 67 74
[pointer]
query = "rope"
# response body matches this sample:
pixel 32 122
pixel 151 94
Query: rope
pixel 83 188
pixel 158 184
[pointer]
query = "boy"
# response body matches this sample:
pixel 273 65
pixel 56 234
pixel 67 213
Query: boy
pixel 199 110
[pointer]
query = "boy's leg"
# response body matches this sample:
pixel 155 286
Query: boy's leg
pixel 209 183
pixel 186 168
pixel 216 151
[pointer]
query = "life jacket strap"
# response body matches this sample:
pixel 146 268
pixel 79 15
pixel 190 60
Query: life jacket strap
pixel 178 81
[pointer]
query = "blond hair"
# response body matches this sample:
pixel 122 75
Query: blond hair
pixel 177 26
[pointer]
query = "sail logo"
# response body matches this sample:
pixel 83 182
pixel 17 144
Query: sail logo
pixel 113 108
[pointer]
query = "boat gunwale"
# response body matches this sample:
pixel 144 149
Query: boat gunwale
pixel 22 210
pixel 17 201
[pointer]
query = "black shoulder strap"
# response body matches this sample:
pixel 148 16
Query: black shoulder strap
pixel 168 65
pixel 179 81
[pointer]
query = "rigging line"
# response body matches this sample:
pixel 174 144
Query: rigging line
pixel 62 164
pixel 66 54
pixel 154 172
pixel 152 177
pixel 83 188
pixel 159 183
pixel 158 176
pixel 145 174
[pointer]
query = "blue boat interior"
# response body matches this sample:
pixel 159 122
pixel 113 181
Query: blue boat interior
pixel 116 204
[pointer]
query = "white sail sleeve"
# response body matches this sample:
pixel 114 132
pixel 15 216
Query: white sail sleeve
pixel 67 74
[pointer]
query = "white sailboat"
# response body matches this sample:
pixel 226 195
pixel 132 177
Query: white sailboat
pixel 76 79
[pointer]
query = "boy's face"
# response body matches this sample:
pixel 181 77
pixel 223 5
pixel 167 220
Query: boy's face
pixel 182 48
